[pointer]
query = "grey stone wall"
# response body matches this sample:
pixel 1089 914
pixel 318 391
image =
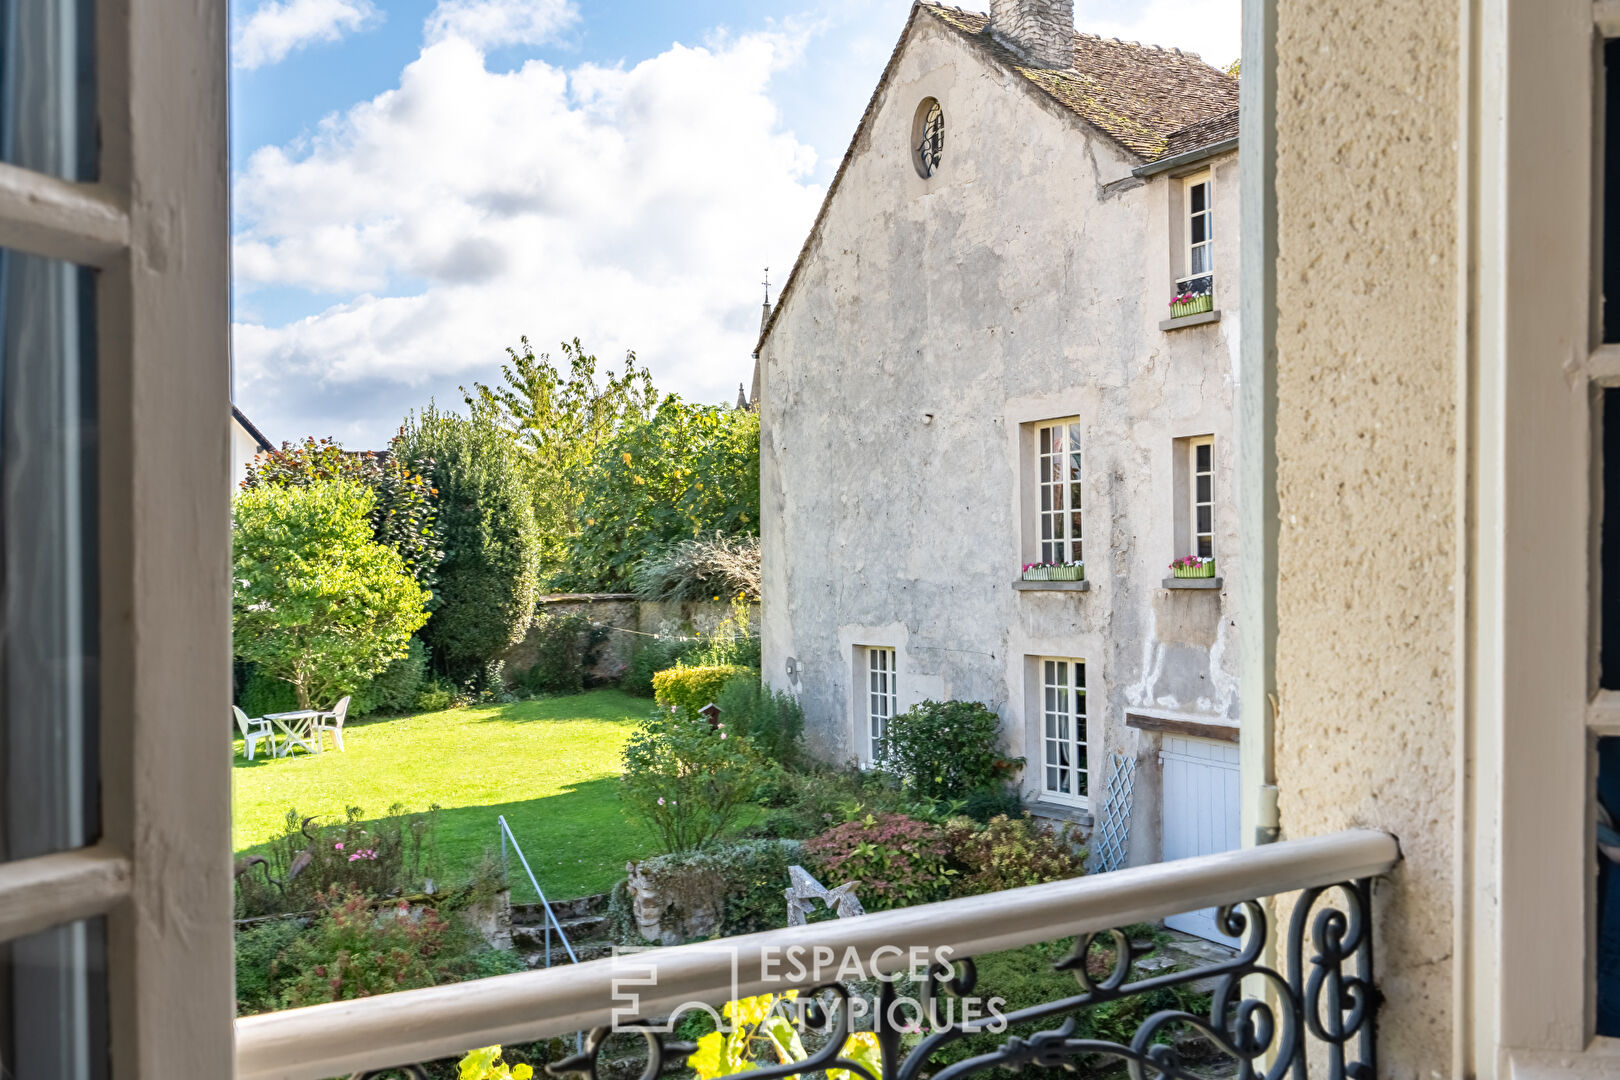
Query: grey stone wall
pixel 1042 30
pixel 933 322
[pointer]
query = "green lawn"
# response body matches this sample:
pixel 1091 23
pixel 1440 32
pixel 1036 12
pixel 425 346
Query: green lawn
pixel 550 766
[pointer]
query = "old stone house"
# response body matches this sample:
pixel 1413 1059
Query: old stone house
pixel 974 367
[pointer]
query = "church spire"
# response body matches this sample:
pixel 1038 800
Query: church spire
pixel 765 313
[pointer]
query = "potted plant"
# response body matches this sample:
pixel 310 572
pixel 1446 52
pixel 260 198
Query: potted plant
pixel 1037 571
pixel 1193 566
pixel 1073 571
pixel 1191 304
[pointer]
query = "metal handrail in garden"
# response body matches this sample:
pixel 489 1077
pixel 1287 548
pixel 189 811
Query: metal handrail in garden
pixel 551 916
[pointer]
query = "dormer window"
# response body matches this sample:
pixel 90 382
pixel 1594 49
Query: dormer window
pixel 1198 240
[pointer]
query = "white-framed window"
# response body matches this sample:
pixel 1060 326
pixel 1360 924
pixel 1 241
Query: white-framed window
pixel 880 699
pixel 115 538
pixel 1201 496
pixel 1064 761
pixel 1198 224
pixel 1059 527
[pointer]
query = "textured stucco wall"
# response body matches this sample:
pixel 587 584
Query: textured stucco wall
pixel 1367 433
pixel 931 322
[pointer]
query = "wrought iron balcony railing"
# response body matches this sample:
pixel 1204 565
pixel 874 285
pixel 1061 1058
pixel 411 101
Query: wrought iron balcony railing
pixel 1269 1003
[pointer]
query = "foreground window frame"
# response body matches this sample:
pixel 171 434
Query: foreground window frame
pixel 152 225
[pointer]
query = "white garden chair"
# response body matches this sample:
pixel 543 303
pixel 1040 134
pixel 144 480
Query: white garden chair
pixel 254 730
pixel 333 722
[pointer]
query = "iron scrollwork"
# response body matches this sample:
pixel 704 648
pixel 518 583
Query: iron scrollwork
pixel 1321 1008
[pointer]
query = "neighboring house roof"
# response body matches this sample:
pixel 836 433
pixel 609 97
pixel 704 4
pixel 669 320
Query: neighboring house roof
pixel 1140 96
pixel 1155 103
pixel 247 426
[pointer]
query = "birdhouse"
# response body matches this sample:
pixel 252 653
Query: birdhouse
pixel 711 713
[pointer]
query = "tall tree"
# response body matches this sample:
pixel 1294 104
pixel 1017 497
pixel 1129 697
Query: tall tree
pixel 688 471
pixel 561 415
pixel 317 602
pixel 489 578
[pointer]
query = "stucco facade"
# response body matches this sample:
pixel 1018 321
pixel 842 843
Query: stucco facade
pixel 933 323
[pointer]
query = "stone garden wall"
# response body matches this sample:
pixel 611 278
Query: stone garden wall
pixel 625 618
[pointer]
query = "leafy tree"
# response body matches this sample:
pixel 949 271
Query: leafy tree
pixel 560 417
pixel 688 471
pixel 405 514
pixel 488 580
pixel 318 603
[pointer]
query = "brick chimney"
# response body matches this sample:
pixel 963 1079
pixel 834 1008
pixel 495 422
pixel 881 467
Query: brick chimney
pixel 1042 31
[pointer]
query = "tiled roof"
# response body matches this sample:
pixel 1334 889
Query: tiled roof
pixel 1217 129
pixel 1145 98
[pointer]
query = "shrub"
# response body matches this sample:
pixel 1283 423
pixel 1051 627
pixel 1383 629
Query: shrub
pixel 652 656
pixel 772 721
pixel 986 803
pixel 489 577
pixel 436 696
pixel 1009 853
pixel 946 750
pixel 317 602
pixel 395 688
pixel 353 950
pixel 898 860
pixel 259 980
pixel 747 879
pixel 486 1064
pixel 691 688
pixel 264 695
pixel 807 799
pixel 716 565
pixel 685 781
pixel 562 653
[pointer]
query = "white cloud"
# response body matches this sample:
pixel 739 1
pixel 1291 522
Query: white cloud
pixel 488 23
pixel 277 27
pixel 632 207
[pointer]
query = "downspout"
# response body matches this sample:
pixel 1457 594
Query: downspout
pixel 1257 420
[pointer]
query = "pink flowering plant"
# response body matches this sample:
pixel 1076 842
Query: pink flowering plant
pixel 389 856
pixel 685 782
pixel 1193 566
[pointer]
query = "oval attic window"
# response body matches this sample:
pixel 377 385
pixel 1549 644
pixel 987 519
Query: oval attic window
pixel 928 137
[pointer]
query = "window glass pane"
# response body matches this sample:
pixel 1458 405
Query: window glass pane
pixel 1611 192
pixel 1200 261
pixel 1203 456
pixel 53 1003
pixel 47 87
pixel 48 586
pixel 1608 886
pixel 1609 562
pixel 1204 488
pixel 1200 229
pixel 1203 519
pixel 1199 193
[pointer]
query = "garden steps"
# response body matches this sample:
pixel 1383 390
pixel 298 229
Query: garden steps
pixel 583 919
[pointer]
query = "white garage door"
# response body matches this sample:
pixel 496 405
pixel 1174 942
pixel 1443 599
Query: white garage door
pixel 1200 813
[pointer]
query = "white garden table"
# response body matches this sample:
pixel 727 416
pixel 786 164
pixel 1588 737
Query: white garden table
pixel 298 727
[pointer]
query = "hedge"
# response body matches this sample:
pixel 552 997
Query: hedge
pixel 691 688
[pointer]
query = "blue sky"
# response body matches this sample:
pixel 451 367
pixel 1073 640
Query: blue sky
pixel 418 182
